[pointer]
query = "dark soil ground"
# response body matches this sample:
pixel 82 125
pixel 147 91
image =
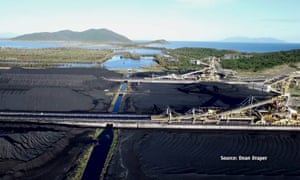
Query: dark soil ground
pixel 29 151
pixel 172 155
pixel 75 89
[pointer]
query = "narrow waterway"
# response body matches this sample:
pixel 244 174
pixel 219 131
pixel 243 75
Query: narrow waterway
pixel 98 157
pixel 119 99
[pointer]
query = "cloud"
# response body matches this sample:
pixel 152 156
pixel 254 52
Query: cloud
pixel 204 3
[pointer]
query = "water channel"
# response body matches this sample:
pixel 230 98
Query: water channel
pixel 98 157
pixel 119 98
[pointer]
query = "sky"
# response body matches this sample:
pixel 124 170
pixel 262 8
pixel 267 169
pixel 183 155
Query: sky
pixel 190 20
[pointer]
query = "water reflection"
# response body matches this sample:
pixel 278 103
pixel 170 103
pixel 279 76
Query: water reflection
pixel 141 51
pixel 117 62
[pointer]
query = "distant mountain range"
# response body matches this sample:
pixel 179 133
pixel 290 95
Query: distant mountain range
pixel 88 36
pixel 253 40
pixel 107 36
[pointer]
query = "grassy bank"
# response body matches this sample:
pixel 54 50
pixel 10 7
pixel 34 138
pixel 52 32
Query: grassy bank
pixel 130 55
pixel 83 160
pixel 54 55
pixel 110 154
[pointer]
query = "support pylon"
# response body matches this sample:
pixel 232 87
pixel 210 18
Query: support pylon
pixel 169 113
pixel 194 116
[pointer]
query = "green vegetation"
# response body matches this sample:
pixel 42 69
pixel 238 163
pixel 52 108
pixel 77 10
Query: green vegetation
pixel 248 62
pixel 45 57
pixel 131 55
pixel 165 62
pixel 88 36
pixel 110 154
pixel 83 163
pixel 181 57
pixel 263 61
pixel 198 53
pixel 85 158
pixel 295 91
pixel 96 134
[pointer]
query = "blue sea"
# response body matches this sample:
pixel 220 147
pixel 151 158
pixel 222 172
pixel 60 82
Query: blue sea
pixel 243 47
pixel 28 44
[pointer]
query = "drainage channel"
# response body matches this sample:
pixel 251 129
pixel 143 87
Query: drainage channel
pixel 98 157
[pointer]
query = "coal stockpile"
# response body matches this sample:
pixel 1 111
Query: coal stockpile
pixel 67 90
pixel 172 155
pixel 31 151
pixel 155 98
pixel 99 72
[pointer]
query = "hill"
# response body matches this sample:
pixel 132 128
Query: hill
pixel 153 43
pixel 88 36
pixel 253 40
pixel 159 41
